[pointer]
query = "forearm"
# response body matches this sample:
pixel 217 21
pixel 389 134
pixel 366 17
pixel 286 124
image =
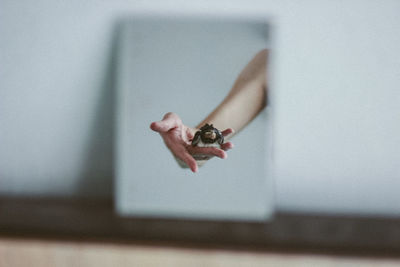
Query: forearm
pixel 246 98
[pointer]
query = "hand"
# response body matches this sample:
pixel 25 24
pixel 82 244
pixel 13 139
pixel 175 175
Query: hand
pixel 178 137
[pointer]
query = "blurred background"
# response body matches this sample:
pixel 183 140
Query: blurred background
pixel 57 109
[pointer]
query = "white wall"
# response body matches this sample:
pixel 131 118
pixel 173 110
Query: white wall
pixel 337 108
pixel 55 100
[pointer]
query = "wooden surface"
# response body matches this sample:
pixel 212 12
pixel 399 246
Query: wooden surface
pixel 95 220
pixel 20 253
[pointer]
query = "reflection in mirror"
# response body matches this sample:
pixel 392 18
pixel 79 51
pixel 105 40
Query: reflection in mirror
pixel 200 84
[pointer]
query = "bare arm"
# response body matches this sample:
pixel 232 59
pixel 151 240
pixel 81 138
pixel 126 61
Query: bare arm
pixel 246 98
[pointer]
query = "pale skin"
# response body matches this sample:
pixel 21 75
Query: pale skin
pixel 242 104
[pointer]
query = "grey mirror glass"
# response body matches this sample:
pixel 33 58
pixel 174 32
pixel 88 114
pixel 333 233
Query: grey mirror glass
pixel 187 66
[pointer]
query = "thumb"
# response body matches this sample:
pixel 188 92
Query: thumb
pixel 169 121
pixel 159 126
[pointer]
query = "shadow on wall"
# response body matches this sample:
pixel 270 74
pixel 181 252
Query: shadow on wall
pixel 97 174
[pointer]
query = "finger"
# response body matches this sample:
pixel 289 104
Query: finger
pixel 158 126
pixel 169 121
pixel 189 133
pixel 189 160
pixel 208 151
pixel 226 146
pixel 227 132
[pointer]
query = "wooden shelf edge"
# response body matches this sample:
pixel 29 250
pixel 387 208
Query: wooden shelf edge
pixel 95 220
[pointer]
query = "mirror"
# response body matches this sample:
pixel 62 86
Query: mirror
pixel 187 66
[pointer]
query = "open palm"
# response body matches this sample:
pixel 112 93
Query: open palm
pixel 177 137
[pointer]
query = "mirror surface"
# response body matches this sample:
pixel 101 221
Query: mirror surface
pixel 187 66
